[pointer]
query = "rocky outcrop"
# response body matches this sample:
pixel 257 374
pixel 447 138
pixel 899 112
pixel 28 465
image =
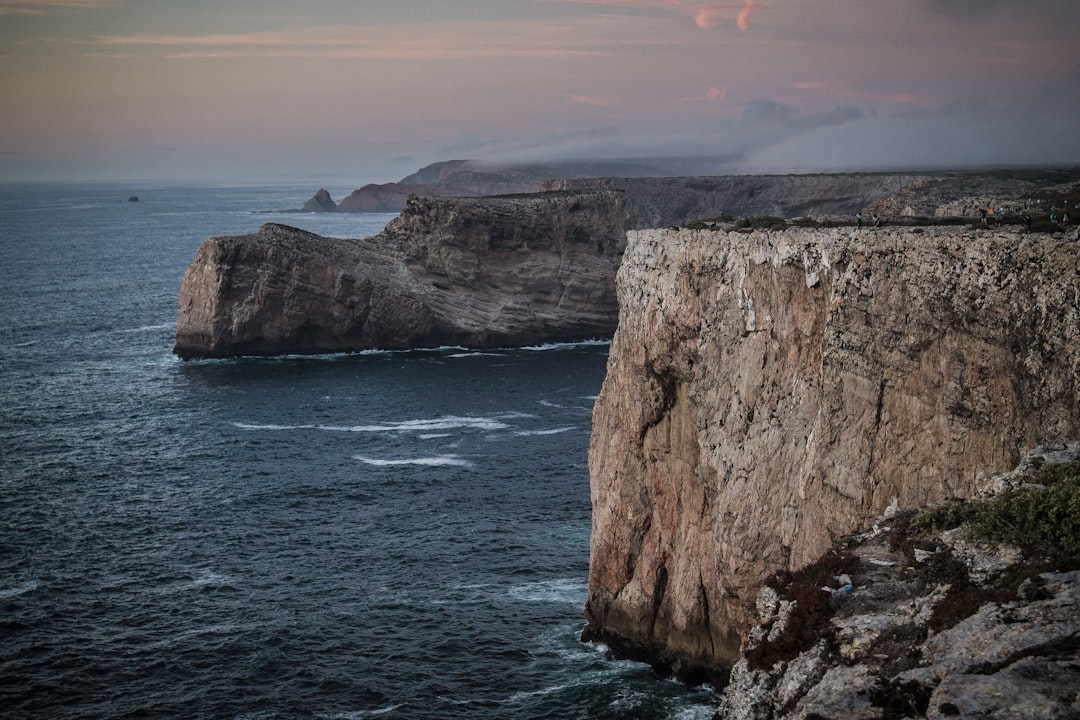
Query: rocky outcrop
pixel 465 178
pixel 480 272
pixel 770 392
pixel 662 201
pixel 963 629
pixel 320 202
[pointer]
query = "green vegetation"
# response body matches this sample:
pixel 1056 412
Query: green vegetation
pixel 760 222
pixel 1042 520
pixel 710 223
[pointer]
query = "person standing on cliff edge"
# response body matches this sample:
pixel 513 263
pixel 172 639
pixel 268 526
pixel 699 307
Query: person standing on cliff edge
pixel 858 220
pixel 877 220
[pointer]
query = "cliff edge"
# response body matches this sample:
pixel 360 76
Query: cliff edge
pixel 770 392
pixel 481 272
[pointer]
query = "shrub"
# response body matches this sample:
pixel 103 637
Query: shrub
pixel 760 222
pixel 811 615
pixel 1044 522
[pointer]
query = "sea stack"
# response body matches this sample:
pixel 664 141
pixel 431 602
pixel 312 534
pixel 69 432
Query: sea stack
pixel 320 202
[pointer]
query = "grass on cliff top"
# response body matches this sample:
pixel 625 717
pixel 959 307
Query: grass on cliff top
pixel 1041 223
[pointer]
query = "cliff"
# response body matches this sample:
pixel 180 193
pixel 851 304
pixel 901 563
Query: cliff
pixel 474 178
pixel 770 392
pixel 661 201
pixel 480 272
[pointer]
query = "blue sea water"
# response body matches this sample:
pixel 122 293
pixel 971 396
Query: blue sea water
pixel 391 535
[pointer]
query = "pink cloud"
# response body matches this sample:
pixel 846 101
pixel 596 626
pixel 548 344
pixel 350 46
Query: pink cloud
pixel 712 95
pixel 705 15
pixel 594 100
pixel 744 15
pixel 38 7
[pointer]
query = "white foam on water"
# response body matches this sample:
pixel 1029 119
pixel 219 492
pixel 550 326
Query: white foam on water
pixel 259 426
pixel 548 403
pixel 526 694
pixel 434 436
pixel 449 422
pixel 553 431
pixel 26 587
pixel 474 354
pixel 360 714
pixel 439 461
pixel 563 346
pixel 560 590
pixel 145 328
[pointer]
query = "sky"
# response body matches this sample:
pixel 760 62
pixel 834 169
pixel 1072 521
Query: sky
pixel 357 91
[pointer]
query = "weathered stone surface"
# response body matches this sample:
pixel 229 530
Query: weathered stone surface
pixel 768 393
pixel 904 644
pixel 480 272
pixel 661 201
pixel 320 202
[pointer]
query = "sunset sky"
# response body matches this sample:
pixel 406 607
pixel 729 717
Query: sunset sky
pixel 358 91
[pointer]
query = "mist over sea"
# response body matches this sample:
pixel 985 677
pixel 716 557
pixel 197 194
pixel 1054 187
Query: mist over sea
pixel 390 535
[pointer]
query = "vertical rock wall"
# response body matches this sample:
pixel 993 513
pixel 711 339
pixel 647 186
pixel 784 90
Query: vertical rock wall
pixel 769 392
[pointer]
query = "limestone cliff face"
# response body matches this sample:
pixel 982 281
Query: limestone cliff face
pixel 480 272
pixel 768 393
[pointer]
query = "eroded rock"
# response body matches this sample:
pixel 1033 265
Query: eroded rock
pixel 481 272
pixel 770 392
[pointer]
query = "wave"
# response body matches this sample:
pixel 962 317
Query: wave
pixel 475 353
pixel 449 422
pixel 554 431
pixel 145 328
pixel 561 590
pixel 360 714
pixel 437 461
pixel 26 587
pixel 271 426
pixel 564 345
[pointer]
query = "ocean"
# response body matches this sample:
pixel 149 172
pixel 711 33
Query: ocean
pixel 372 535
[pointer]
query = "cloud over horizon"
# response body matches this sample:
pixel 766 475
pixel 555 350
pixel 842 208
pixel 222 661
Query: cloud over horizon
pixel 96 87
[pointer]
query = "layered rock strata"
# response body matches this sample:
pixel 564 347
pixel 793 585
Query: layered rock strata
pixel 481 272
pixel 769 392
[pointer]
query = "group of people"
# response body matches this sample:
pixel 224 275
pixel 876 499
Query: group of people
pixel 985 213
pixel 873 218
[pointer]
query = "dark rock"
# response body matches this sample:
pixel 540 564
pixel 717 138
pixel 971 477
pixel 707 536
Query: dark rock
pixel 320 202
pixel 479 272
